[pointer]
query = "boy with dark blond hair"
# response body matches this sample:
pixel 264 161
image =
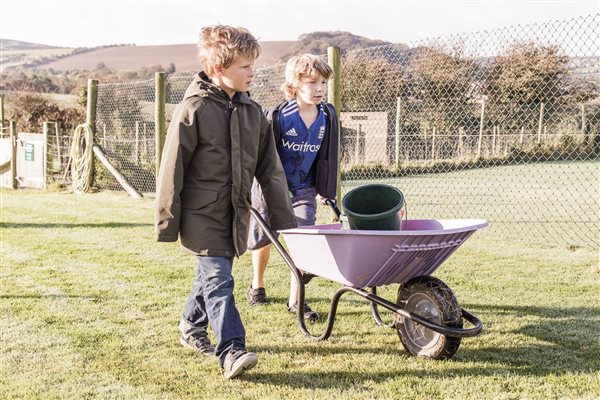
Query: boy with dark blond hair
pixel 306 128
pixel 218 141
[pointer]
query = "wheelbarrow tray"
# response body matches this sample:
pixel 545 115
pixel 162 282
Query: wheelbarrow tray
pixel 362 259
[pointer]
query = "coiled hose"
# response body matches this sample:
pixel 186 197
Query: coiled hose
pixel 81 158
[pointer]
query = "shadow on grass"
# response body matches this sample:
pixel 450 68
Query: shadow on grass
pixel 506 362
pixel 49 296
pixel 75 225
pixel 569 337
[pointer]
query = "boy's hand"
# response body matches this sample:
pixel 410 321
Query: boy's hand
pixel 323 200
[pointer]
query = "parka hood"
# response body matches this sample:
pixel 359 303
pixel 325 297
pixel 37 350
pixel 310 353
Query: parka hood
pixel 202 86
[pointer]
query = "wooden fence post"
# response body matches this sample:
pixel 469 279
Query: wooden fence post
pixel 1 113
pixel 481 128
pixel 58 144
pixel 159 117
pixel 398 130
pixel 13 158
pixel 334 97
pixel 540 122
pixel 92 101
pixel 136 148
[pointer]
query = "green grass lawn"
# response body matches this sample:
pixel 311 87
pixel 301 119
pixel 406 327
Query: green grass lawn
pixel 561 198
pixel 90 306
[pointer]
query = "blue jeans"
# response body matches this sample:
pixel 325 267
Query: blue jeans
pixel 211 300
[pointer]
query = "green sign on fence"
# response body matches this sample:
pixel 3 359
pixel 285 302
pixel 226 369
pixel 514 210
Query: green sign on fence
pixel 28 151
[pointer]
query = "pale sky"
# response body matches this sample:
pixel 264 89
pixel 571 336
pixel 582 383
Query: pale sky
pixel 87 23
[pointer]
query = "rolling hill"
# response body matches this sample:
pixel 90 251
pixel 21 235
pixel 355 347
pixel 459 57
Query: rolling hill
pixel 129 57
pixel 24 55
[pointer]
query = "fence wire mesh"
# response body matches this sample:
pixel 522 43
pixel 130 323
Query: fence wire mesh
pixel 125 130
pixel 502 125
pixel 58 152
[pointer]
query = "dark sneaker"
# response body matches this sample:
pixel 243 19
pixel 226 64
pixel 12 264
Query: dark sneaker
pixel 200 343
pixel 237 362
pixel 257 297
pixel 309 313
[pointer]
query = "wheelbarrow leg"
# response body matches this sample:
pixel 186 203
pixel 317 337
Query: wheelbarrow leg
pixel 300 279
pixel 375 312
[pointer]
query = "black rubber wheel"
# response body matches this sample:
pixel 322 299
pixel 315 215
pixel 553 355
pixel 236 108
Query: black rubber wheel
pixel 432 299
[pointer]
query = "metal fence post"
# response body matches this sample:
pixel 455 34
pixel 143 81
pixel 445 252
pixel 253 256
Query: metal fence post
pixel 159 117
pixel 398 130
pixel 481 128
pixel 357 146
pixel 433 144
pixel 334 96
pixel 541 123
pixel 583 122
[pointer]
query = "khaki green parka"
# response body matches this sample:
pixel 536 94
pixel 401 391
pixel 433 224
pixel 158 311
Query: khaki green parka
pixel 214 147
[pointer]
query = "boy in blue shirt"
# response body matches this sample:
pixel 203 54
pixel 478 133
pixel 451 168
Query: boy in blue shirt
pixel 306 135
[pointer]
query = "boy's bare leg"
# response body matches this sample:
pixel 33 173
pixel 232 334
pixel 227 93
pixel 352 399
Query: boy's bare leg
pixel 256 293
pixel 293 290
pixel 292 304
pixel 260 258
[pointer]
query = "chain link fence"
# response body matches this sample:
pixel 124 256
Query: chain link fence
pixel 502 125
pixel 125 130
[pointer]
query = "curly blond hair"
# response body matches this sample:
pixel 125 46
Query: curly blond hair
pixel 305 65
pixel 220 45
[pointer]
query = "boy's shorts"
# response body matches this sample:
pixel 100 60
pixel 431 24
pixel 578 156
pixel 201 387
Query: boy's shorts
pixel 305 208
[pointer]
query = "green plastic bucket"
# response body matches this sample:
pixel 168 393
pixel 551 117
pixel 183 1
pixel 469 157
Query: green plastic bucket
pixel 373 207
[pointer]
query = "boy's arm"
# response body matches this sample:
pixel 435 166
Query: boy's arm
pixel 181 140
pixel 270 176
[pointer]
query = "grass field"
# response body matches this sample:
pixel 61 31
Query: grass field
pixel 15 58
pixel 562 199
pixel 90 306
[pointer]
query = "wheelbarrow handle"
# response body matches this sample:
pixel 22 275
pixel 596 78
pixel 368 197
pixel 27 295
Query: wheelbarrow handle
pixel 334 207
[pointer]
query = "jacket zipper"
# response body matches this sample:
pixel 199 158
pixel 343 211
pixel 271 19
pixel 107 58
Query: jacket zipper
pixel 234 219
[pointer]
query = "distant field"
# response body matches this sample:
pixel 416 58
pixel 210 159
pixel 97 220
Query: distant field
pixel 184 56
pixel 12 58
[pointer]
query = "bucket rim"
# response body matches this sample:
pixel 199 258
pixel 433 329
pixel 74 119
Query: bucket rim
pixel 397 208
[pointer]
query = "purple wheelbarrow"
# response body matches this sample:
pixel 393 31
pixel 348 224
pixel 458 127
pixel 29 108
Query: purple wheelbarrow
pixel 427 316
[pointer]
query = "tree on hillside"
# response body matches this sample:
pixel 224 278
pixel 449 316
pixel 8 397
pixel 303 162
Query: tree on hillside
pixel 517 82
pixel 317 43
pixel 372 84
pixel 441 83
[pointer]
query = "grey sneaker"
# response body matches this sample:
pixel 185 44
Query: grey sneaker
pixel 309 313
pixel 257 297
pixel 237 362
pixel 199 342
